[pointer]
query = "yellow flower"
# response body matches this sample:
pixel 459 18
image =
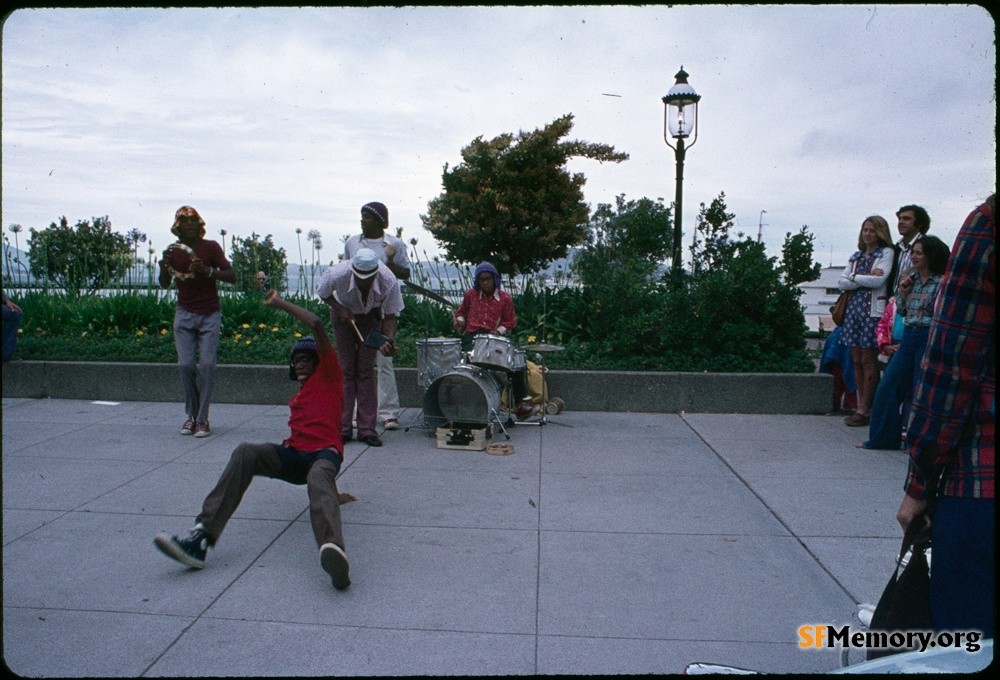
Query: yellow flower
pixel 531 338
pixel 247 342
pixel 138 333
pixel 262 325
pixel 298 335
pixel 274 330
pixel 246 325
pixel 163 331
pixel 236 338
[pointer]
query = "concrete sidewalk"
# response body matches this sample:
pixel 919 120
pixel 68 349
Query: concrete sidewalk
pixel 608 543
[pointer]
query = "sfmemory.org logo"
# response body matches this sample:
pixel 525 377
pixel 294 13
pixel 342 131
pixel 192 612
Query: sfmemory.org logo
pixel 828 636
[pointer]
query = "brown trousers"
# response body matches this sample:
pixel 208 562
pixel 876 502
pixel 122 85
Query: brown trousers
pixel 251 460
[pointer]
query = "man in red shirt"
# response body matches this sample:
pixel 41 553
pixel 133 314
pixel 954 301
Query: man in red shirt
pixel 311 455
pixel 196 263
pixel 487 309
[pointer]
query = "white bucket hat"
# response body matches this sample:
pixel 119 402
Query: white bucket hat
pixel 364 263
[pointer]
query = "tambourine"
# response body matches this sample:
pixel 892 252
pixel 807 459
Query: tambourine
pixel 180 276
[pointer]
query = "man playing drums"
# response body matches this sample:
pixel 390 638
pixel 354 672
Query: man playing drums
pixel 486 309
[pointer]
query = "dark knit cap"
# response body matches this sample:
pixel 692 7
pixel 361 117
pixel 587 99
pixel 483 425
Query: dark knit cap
pixel 378 210
pixel 306 344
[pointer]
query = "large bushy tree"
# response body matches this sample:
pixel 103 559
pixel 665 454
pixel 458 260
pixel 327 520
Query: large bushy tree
pixel 85 257
pixel 512 201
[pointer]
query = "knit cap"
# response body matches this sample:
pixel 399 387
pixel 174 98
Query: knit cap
pixel 378 210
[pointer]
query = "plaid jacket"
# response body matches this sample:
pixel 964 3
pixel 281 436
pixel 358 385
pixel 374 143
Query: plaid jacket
pixel 950 434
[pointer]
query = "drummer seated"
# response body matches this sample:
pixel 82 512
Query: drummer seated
pixel 487 309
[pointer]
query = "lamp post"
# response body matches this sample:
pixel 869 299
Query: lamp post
pixel 680 122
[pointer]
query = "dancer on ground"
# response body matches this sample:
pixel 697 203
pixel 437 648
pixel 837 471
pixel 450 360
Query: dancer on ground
pixel 311 455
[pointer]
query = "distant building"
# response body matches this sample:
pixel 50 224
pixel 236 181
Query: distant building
pixel 817 298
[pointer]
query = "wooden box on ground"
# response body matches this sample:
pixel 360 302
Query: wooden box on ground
pixel 465 436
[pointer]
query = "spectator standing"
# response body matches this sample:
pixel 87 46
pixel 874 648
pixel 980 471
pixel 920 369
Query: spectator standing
pixel 11 322
pixel 363 295
pixel 198 319
pixel 392 252
pixel 866 274
pixel 915 300
pixel 950 434
pixel 912 222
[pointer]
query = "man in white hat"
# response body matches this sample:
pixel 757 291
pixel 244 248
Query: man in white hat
pixel 363 295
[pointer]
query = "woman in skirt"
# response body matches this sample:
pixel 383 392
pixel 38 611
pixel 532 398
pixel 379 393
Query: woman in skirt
pixel 867 274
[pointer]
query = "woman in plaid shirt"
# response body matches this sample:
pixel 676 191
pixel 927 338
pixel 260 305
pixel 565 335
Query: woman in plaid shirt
pixel 915 303
pixel 950 434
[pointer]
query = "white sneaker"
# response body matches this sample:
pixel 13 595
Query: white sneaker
pixel 334 562
pixel 391 424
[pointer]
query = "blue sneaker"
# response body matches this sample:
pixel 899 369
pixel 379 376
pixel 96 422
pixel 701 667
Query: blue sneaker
pixel 190 550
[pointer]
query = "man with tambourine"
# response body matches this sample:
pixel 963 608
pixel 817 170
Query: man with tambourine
pixel 196 264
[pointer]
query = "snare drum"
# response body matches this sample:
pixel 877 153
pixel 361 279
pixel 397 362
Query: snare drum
pixel 494 351
pixel 435 357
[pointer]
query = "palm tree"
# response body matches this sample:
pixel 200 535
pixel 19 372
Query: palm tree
pixel 17 229
pixel 298 235
pixel 134 237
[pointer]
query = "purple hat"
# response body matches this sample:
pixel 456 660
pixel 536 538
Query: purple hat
pixel 306 344
pixel 378 210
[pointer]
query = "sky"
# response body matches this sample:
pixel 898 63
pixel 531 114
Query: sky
pixel 269 120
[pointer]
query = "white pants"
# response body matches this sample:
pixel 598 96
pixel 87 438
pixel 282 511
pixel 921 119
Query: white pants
pixel 388 394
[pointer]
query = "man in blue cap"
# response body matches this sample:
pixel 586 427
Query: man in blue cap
pixel 311 455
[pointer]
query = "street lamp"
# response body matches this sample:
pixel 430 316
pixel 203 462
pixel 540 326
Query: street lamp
pixel 680 121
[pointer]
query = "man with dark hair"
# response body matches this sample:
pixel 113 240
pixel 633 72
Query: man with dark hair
pixel 392 252
pixel 196 263
pixel 311 455
pixel 912 222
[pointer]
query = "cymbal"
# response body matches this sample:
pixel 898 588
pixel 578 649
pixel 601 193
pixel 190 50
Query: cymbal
pixel 543 347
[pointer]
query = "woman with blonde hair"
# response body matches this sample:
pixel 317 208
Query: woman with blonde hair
pixel 867 274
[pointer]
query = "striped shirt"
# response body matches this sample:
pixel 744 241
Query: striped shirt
pixel 950 434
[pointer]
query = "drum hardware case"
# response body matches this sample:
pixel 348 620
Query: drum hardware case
pixel 465 436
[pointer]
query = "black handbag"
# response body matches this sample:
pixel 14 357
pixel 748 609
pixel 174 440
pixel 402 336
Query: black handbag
pixel 905 604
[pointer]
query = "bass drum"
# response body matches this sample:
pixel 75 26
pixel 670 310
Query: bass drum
pixel 465 394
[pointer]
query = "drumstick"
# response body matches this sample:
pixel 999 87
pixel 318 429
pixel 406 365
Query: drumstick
pixel 360 337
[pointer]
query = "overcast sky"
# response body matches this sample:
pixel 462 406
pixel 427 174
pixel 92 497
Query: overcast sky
pixel 269 120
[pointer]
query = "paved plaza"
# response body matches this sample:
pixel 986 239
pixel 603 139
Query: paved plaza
pixel 608 543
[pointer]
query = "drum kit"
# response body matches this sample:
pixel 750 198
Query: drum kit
pixel 467 387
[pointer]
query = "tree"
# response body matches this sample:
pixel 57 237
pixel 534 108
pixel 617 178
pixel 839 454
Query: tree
pixel 251 255
pixel 626 244
pixel 86 257
pixel 511 201
pixel 133 237
pixel 715 248
pixel 797 265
